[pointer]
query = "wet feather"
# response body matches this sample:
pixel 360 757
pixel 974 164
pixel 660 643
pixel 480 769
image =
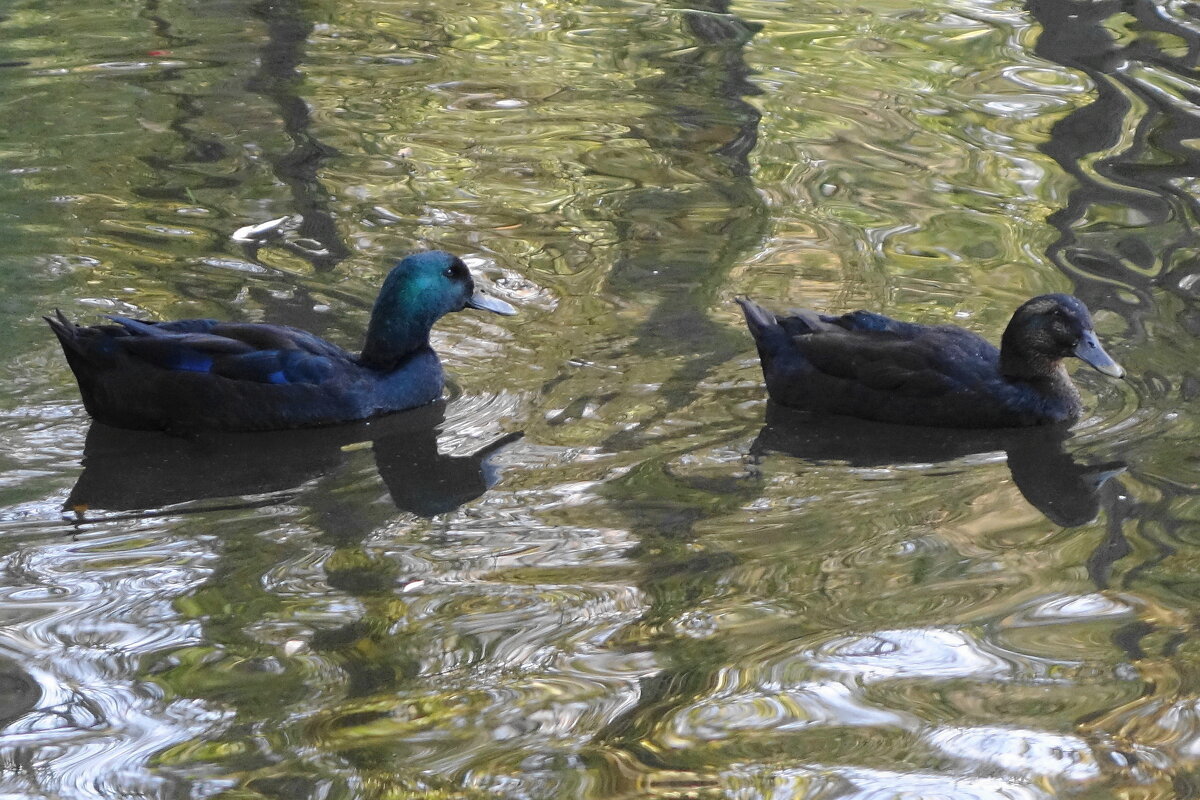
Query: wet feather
pixel 206 374
pixel 867 365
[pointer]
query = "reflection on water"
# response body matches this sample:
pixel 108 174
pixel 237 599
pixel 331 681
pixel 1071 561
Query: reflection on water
pixel 664 587
pixel 1065 491
pixel 147 470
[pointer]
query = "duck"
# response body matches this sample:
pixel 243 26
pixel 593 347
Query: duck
pixel 867 365
pixel 202 374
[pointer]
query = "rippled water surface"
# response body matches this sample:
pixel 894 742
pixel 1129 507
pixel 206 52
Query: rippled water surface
pixel 604 568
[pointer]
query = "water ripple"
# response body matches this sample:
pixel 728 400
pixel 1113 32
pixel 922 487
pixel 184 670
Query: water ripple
pixel 632 599
pixel 90 610
pixel 930 653
pixel 813 782
pixel 818 704
pixel 1020 753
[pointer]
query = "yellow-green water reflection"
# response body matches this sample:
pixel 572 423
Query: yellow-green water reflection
pixel 662 588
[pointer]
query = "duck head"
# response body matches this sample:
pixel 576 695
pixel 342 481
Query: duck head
pixel 419 291
pixel 1047 329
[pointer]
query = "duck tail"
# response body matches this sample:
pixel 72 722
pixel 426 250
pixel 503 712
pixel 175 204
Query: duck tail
pixel 65 330
pixel 769 335
pixel 758 319
pixel 76 344
pixel 764 326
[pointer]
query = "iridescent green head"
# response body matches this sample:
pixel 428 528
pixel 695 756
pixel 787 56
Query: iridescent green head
pixel 419 291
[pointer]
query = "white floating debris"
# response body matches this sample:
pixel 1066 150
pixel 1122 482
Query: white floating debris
pixel 293 646
pixel 252 233
pixel 310 246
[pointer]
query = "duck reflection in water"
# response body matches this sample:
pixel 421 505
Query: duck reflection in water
pixel 1065 491
pixel 136 470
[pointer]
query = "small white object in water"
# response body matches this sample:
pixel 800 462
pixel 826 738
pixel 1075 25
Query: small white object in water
pixel 252 233
pixel 293 646
pixel 311 247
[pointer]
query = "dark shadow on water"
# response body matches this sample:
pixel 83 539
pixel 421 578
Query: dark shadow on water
pixel 280 79
pixel 1128 222
pixel 204 164
pixel 680 238
pixel 678 241
pixel 19 692
pixel 1128 240
pixel 139 470
pixel 1066 491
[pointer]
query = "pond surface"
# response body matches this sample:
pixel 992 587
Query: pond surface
pixel 603 568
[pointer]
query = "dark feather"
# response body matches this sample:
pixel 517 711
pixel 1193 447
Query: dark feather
pixel 260 353
pixel 868 365
pixel 205 374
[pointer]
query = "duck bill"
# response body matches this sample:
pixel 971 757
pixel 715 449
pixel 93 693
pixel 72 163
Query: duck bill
pixel 485 303
pixel 1090 351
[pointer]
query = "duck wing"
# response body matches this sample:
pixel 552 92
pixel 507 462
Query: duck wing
pixel 259 335
pixel 905 359
pixel 271 354
pixel 804 321
pixel 870 352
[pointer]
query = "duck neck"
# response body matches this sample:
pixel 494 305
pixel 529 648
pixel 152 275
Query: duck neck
pixel 399 327
pixel 1021 362
pixel 1028 366
pixel 1048 375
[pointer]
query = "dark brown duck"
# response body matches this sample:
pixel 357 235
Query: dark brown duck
pixel 864 364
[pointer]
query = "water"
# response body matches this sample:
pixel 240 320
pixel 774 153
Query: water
pixel 603 568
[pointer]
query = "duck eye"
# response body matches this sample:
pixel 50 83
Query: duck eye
pixel 456 270
pixel 1060 318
